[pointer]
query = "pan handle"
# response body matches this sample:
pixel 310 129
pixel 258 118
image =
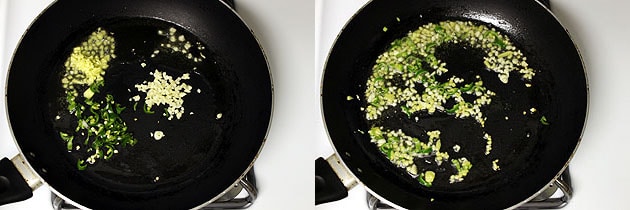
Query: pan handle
pixel 332 180
pixel 13 187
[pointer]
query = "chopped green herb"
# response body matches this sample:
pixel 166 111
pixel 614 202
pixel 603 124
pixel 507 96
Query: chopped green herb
pixel 384 29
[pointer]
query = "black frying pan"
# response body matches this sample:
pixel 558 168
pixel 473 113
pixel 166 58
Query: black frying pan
pixel 200 157
pixel 559 92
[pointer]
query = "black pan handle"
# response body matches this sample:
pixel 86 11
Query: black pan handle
pixel 13 187
pixel 328 186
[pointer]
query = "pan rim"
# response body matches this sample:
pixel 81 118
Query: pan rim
pixel 586 115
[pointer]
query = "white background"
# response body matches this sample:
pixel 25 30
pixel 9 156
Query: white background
pixel 297 34
pixel 600 29
pixel 285 31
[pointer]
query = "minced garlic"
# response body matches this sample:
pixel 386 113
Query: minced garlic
pixel 166 91
pixel 488 139
pixel 177 43
pixel 135 98
pixel 463 166
pixel 402 149
pixel 456 148
pixel 495 165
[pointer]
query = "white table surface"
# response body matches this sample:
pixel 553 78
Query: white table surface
pixel 285 29
pixel 602 33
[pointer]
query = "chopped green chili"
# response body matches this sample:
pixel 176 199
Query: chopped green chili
pixel 543 120
pixel 453 110
pixel 81 165
pixel 102 127
pixel 406 110
pixel 166 113
pixel 147 110
pixel 499 42
pixel 119 108
pixel 439 29
pixel 65 136
pixel 424 182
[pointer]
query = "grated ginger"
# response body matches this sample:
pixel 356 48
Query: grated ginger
pixel 87 62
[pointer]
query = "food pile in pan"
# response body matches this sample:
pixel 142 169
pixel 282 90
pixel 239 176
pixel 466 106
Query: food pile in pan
pixel 100 131
pixel 405 78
